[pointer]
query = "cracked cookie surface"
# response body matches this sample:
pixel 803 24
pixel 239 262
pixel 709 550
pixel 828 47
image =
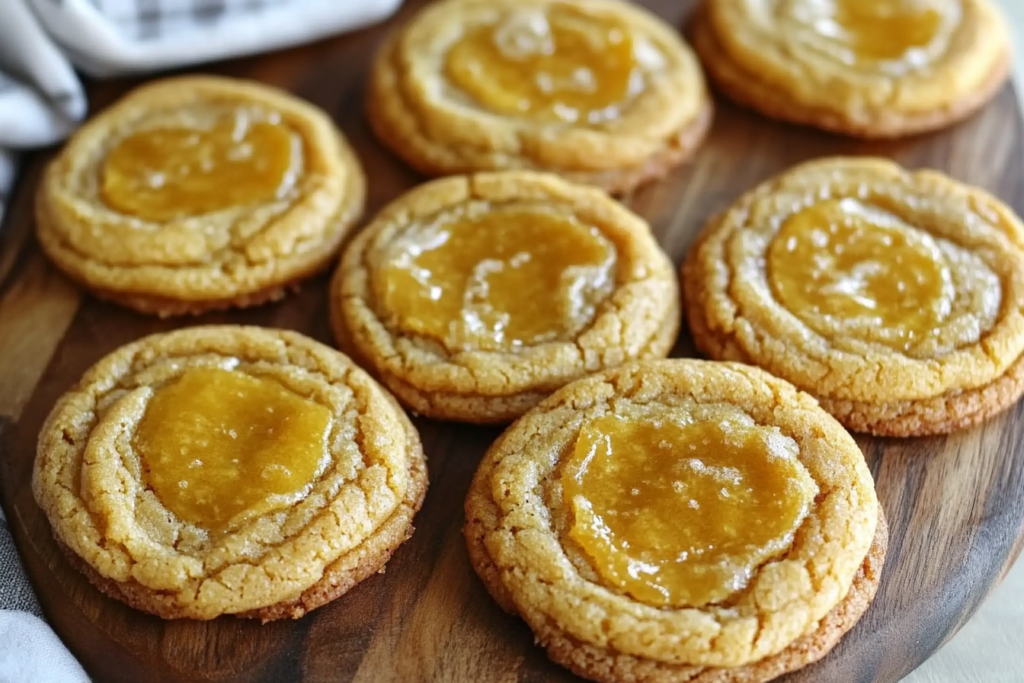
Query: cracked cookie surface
pixel 199 193
pixel 296 539
pixel 893 296
pixel 600 91
pixel 867 68
pixel 473 297
pixel 789 611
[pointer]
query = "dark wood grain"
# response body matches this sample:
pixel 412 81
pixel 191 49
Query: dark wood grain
pixel 955 504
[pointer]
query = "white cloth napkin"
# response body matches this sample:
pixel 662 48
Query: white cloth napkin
pixel 29 649
pixel 42 100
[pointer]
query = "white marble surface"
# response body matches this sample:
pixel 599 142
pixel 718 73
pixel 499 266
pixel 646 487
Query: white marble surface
pixel 990 648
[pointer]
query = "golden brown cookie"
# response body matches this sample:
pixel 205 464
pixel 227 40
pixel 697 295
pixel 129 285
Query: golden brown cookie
pixel 199 193
pixel 867 68
pixel 474 297
pixel 228 470
pixel 893 296
pixel 599 91
pixel 678 520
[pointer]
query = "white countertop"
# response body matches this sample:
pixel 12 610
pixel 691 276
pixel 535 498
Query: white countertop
pixel 990 648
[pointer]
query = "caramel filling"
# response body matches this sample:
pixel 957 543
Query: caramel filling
pixel 683 514
pixel 496 278
pixel 559 65
pixel 844 261
pixel 219 447
pixel 166 173
pixel 867 32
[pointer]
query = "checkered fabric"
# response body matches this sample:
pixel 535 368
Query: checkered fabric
pixel 15 591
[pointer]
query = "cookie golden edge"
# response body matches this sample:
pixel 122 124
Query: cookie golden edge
pixel 950 412
pixel 315 262
pixel 946 413
pixel 340 576
pixel 399 130
pixel 745 89
pixel 608 666
pixel 286 273
pixel 491 404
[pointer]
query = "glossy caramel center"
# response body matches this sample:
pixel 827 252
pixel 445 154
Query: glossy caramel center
pixel 220 447
pixel 846 261
pixel 885 29
pixel 166 173
pixel 683 514
pixel 496 278
pixel 558 65
pixel 871 32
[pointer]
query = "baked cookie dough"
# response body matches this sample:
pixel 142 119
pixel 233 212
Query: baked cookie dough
pixel 199 193
pixel 474 297
pixel 893 296
pixel 599 91
pixel 678 520
pixel 867 68
pixel 228 470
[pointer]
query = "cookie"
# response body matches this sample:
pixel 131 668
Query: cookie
pixel 474 297
pixel 599 91
pixel 866 68
pixel 894 296
pixel 199 193
pixel 678 520
pixel 228 470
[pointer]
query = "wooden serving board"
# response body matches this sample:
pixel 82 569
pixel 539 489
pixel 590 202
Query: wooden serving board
pixel 955 504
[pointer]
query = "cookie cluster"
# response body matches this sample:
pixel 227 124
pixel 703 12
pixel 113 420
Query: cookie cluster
pixel 651 519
